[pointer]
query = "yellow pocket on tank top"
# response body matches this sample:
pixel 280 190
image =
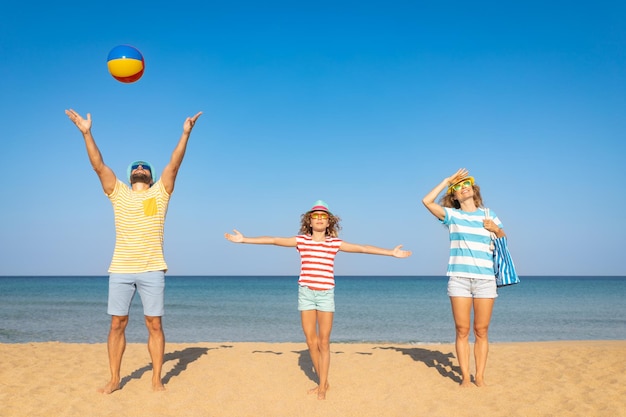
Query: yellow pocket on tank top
pixel 150 206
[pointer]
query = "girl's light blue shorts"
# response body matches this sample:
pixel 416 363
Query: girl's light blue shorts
pixel 321 300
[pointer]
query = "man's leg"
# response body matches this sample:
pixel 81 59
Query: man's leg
pixel 116 344
pixel 156 347
pixel 151 288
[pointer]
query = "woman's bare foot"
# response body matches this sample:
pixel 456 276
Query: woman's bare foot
pixel 466 383
pixel 480 382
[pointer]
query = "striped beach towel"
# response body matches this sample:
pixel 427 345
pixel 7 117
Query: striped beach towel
pixel 502 262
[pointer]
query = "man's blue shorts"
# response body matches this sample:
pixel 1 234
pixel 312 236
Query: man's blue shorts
pixel 151 288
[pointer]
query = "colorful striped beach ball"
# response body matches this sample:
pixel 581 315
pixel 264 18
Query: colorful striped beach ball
pixel 126 63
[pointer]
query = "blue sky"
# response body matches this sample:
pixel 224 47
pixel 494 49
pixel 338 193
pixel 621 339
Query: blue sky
pixel 367 105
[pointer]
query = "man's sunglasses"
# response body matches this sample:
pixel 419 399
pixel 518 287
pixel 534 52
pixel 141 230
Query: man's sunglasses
pixel 135 166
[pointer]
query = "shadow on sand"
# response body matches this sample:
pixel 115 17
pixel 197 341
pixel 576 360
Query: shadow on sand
pixel 440 361
pixel 433 359
pixel 184 358
pixel 306 364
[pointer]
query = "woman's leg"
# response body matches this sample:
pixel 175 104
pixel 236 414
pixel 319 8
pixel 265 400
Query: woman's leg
pixel 317 326
pixel 483 307
pixel 461 311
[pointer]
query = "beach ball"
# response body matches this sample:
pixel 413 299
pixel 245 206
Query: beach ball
pixel 125 63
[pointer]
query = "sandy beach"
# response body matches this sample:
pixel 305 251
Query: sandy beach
pixel 579 378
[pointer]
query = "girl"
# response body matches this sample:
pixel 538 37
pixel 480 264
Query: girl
pixel 318 243
pixel 471 275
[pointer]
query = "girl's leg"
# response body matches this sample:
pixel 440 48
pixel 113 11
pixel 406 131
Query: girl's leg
pixel 483 307
pixel 325 325
pixel 461 311
pixel 309 326
pixel 318 342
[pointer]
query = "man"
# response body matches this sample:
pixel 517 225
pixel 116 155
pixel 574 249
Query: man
pixel 138 263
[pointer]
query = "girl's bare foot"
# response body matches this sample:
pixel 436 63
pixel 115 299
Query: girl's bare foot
pixel 321 395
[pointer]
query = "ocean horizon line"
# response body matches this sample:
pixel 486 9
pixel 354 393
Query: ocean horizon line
pixel 295 275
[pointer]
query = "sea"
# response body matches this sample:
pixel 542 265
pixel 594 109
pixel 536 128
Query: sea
pixel 369 309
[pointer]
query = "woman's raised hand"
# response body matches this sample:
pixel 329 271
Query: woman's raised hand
pixel 458 176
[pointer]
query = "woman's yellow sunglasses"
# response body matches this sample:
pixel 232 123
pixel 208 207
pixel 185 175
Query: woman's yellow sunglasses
pixel 468 182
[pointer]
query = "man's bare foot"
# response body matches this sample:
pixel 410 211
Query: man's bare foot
pixel 480 382
pixel 321 395
pixel 158 386
pixel 109 388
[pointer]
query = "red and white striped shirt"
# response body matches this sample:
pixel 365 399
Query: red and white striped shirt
pixel 318 261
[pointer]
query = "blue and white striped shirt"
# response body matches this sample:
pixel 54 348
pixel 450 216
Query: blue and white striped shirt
pixel 470 252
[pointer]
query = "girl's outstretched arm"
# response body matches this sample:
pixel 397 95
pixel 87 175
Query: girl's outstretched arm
pixel 237 237
pixel 375 250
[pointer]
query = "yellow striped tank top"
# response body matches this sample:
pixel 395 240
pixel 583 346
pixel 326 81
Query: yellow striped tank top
pixel 139 224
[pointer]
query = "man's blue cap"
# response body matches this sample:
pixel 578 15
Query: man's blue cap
pixel 144 164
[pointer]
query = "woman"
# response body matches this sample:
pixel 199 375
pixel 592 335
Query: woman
pixel 471 275
pixel 318 243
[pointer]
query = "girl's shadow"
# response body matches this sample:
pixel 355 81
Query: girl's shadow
pixel 306 365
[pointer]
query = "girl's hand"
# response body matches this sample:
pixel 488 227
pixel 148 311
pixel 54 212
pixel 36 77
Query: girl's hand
pixel 237 237
pixel 399 253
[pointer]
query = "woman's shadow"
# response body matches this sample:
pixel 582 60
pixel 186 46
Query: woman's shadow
pixel 183 357
pixel 433 359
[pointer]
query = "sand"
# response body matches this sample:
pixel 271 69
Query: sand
pixel 577 378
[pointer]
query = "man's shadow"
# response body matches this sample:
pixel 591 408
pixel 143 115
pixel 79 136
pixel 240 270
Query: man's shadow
pixel 433 359
pixel 183 357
